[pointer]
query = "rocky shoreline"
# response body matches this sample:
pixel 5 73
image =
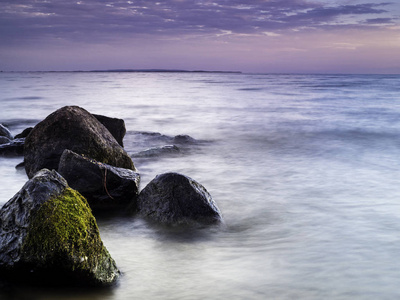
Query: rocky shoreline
pixel 77 166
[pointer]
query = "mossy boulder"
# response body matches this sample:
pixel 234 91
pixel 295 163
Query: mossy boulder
pixel 73 128
pixel 49 236
pixel 174 199
pixel 104 186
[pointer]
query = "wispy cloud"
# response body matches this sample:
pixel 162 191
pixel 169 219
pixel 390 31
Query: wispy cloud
pixel 92 20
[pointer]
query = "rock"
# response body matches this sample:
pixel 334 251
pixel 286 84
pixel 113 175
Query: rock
pixel 20 166
pixel 104 186
pixel 115 126
pixel 49 236
pixel 73 128
pixel 4 140
pixel 13 148
pixel 4 131
pixel 24 133
pixel 157 151
pixel 184 139
pixel 172 198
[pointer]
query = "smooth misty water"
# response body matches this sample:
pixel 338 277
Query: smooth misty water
pixel 305 169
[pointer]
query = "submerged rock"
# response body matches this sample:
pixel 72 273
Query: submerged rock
pixel 184 139
pixel 20 166
pixel 48 236
pixel 72 127
pixel 115 126
pixel 4 131
pixel 157 151
pixel 13 148
pixel 172 198
pixel 104 186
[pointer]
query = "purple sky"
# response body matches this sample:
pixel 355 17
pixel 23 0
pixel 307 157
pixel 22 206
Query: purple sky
pixel 318 36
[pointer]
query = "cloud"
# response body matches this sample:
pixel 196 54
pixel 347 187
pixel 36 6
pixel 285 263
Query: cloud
pixel 379 21
pixel 92 20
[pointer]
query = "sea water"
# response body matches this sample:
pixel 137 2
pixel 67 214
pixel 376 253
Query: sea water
pixel 305 169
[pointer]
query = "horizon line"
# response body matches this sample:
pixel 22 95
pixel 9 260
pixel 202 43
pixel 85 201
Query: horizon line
pixel 190 71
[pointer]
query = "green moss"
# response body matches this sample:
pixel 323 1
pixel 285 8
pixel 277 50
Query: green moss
pixel 64 233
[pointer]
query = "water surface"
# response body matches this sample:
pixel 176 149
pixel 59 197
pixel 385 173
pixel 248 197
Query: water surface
pixel 303 167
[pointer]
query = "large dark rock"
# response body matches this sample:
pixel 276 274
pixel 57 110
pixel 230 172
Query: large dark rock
pixel 104 186
pixel 172 198
pixel 115 126
pixel 73 128
pixel 13 148
pixel 4 131
pixel 48 236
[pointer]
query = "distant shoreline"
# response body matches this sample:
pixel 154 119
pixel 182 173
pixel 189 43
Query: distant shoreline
pixel 127 71
pixel 158 71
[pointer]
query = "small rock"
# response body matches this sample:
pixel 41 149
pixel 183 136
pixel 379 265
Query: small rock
pixel 4 131
pixel 20 166
pixel 172 198
pixel 24 133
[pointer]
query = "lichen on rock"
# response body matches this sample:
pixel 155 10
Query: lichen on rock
pixel 65 232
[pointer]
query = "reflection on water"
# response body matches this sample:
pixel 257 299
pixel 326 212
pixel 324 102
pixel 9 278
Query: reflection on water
pixel 303 168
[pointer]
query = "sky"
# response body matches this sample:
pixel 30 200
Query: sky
pixel 261 36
